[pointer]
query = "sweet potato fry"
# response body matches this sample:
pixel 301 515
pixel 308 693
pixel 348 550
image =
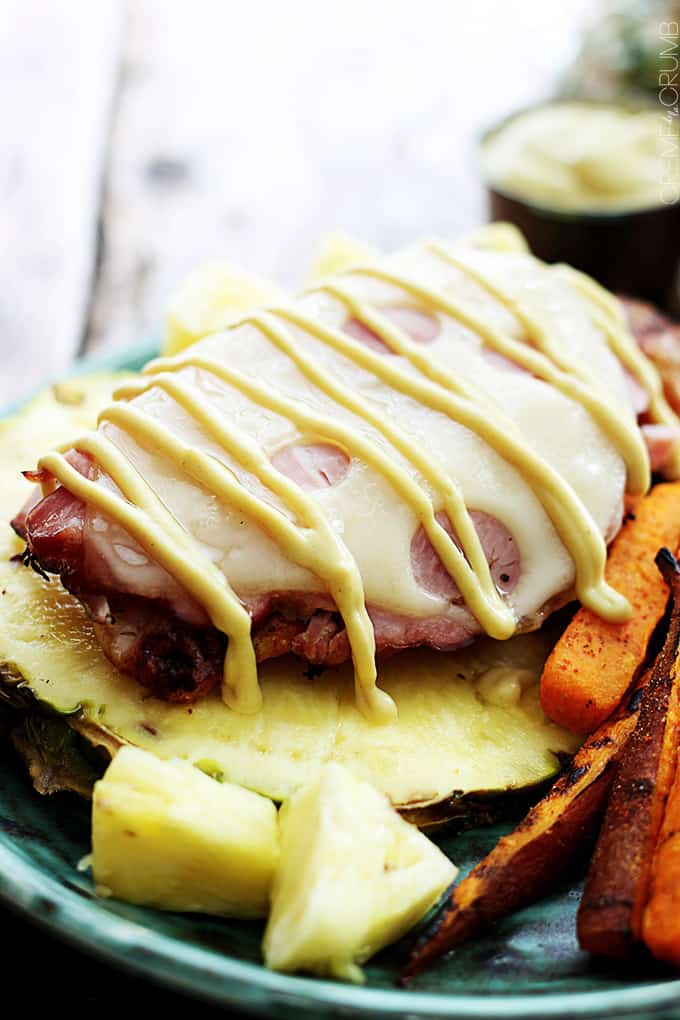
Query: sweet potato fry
pixel 661 920
pixel 595 662
pixel 616 891
pixel 528 862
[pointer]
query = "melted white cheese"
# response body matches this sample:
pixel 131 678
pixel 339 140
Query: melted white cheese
pixel 376 526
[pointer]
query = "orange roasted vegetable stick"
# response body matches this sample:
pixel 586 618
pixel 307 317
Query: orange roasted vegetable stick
pixel 594 662
pixel 617 888
pixel 661 919
pixel 530 861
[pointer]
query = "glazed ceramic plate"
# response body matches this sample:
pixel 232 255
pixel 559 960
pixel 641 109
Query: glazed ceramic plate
pixel 529 966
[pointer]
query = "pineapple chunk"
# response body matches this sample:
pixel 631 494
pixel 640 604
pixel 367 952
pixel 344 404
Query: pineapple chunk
pixel 337 252
pixel 166 835
pixel 210 298
pixel 353 877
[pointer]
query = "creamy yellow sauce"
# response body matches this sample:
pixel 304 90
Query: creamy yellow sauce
pixel 584 157
pixel 140 512
pixel 610 318
pixel 471 570
pixel 571 519
pixel 295 520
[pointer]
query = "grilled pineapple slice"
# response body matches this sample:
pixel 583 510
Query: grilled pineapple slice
pixel 166 835
pixel 455 738
pixel 209 299
pixel 353 877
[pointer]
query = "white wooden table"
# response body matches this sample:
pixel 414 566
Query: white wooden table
pixel 139 139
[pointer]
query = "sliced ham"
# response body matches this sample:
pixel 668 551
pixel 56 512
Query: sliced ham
pixel 498 361
pixel 420 326
pixel 659 339
pixel 498 545
pixel 55 524
pixel 417 324
pixel 152 630
pixel 639 398
pixel 366 336
pixel 178 662
pixel 312 465
pixel 113 561
pixel 661 441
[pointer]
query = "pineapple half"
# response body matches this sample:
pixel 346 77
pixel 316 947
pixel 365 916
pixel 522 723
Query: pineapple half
pixel 470 726
pixel 166 835
pixel 353 877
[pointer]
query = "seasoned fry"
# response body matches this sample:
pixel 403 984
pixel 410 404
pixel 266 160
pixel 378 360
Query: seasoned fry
pixel 661 920
pixel 528 862
pixel 594 662
pixel 616 891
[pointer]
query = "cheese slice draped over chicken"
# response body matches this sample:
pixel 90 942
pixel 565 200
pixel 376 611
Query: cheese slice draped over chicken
pixel 425 447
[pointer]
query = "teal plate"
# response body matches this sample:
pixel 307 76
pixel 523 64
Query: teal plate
pixel 529 966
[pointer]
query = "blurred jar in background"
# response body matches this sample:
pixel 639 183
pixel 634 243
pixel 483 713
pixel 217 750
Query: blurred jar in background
pixel 592 177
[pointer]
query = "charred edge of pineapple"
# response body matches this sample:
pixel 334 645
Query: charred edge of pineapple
pixel 57 755
pixel 457 812
pixel 461 811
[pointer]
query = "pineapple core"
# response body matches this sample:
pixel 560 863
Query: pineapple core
pixel 166 835
pixel 353 877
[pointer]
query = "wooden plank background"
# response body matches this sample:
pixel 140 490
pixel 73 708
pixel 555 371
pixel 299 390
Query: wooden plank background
pixel 58 73
pixel 139 139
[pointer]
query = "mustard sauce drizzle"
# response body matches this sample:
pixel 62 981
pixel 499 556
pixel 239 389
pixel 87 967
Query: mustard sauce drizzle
pixel 483 599
pixel 604 411
pixel 534 329
pixel 315 546
pixel 354 443
pixel 570 517
pixel 608 314
pixel 310 540
pixel 148 521
pixel 470 571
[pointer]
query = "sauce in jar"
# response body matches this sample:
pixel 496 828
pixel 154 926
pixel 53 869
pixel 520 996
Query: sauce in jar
pixel 587 157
